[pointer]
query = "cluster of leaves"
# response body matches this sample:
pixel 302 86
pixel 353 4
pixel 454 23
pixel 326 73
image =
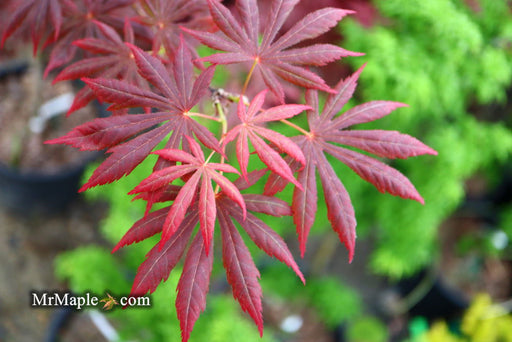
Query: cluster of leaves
pixel 151 66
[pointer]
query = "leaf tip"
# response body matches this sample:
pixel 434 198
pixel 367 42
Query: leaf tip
pixel 350 245
pixel 420 200
pixel 85 187
pixel 431 151
pixel 301 277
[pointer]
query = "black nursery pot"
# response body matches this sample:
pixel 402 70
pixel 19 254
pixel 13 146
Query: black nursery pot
pixel 32 192
pixel 36 192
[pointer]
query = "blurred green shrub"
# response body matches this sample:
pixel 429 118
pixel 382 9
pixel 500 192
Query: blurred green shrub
pixel 440 57
pixel 367 329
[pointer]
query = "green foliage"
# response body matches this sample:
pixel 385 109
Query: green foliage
pixel 367 329
pixel 332 300
pixel 439 57
pixel 89 268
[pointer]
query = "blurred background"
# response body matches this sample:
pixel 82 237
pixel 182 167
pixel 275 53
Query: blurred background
pixel 437 272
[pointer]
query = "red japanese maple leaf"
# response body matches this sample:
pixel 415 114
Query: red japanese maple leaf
pixel 201 174
pixel 241 272
pixel 327 132
pixel 273 56
pixel 78 23
pixel 131 138
pixel 115 61
pixel 165 18
pixel 39 15
pixel 252 128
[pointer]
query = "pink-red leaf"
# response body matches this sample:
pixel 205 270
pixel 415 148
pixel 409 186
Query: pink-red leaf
pixel 152 69
pixel 159 263
pixel 227 23
pixel 285 144
pixel 272 159
pixel 125 95
pixel 85 67
pixel 229 189
pixel 161 178
pixel 143 228
pixel 252 178
pixel 241 272
pixel 276 183
pixel 193 285
pixel 304 203
pixel 267 205
pixel 242 152
pixel 384 177
pixel 311 26
pixel 266 239
pixel 318 54
pixel 279 113
pixel 386 144
pixel 339 207
pixel 249 9
pixel 179 208
pixel 212 40
pixel 166 194
pixel 279 11
pixel 301 77
pixel 239 38
pixel 344 91
pixel 365 112
pixel 125 158
pixel 177 155
pixel 107 132
pixel 207 210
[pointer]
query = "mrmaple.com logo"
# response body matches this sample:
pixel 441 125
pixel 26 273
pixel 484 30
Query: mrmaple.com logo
pixel 86 300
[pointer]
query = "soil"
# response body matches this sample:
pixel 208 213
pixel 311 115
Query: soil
pixel 28 246
pixel 19 146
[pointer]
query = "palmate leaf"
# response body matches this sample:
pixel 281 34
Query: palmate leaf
pixel 160 262
pixel 164 19
pixel 202 174
pixel 112 58
pixel 252 129
pixel 193 285
pixel 39 15
pixel 241 272
pixel 77 24
pixel 273 56
pixel 131 138
pixel 327 132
